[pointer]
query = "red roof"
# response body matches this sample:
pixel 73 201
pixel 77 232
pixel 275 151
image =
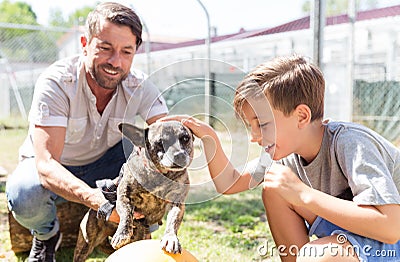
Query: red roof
pixel 298 24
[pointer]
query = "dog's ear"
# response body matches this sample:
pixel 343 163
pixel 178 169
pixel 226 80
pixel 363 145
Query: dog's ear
pixel 135 134
pixel 190 132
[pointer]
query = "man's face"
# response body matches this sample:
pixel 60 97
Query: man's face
pixel 270 128
pixel 110 54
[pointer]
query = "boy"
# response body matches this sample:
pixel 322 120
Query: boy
pixel 338 181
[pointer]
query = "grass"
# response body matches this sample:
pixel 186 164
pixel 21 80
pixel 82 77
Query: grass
pixel 227 228
pixel 217 228
pixel 11 137
pixel 10 140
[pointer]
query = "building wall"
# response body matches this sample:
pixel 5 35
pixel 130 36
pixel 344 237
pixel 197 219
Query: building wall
pixel 376 57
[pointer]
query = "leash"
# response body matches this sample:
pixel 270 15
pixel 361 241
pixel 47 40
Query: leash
pixel 109 190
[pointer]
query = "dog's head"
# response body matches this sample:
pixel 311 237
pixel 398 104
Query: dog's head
pixel 169 145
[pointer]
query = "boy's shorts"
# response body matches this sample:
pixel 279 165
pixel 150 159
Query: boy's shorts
pixel 366 249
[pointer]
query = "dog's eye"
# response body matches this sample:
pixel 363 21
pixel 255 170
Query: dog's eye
pixel 159 143
pixel 185 139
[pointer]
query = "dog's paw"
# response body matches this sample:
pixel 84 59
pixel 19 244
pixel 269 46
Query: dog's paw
pixel 170 243
pixel 120 240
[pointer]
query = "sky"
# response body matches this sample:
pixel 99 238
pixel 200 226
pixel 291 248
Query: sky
pixel 186 18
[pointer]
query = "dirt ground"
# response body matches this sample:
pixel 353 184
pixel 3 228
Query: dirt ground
pixel 5 246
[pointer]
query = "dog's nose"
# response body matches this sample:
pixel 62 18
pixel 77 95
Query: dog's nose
pixel 180 158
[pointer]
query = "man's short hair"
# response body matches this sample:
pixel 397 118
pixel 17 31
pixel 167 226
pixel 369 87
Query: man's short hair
pixel 117 14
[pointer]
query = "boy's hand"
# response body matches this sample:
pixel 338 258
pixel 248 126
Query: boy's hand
pixel 282 179
pixel 198 127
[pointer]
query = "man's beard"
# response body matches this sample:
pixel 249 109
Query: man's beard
pixel 103 80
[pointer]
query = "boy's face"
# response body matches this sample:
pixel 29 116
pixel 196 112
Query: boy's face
pixel 270 128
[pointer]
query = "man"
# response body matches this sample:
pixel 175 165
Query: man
pixel 73 138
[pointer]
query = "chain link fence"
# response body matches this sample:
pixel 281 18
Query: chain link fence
pixel 25 51
pixel 377 105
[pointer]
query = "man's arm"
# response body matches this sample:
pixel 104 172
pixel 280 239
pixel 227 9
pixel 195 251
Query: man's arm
pixel 48 143
pixel 153 119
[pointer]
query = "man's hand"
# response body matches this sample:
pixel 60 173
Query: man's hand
pixel 115 217
pixel 108 188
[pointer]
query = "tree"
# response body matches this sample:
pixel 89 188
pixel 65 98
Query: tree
pixel 16 13
pixel 18 42
pixel 337 7
pixel 78 17
pixel 56 18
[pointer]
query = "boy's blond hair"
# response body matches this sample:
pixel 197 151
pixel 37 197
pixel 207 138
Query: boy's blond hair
pixel 286 82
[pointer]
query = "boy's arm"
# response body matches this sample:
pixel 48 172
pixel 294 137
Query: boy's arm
pixel 377 222
pixel 226 178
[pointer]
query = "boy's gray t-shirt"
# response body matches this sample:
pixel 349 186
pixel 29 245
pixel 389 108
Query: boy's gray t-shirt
pixel 352 157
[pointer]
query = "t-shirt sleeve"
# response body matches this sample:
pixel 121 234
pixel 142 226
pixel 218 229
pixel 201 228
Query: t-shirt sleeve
pixel 49 104
pixel 152 103
pixel 368 167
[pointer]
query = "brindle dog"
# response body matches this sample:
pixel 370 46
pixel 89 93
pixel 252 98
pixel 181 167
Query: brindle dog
pixel 153 178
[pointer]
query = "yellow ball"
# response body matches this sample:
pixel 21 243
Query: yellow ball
pixel 148 251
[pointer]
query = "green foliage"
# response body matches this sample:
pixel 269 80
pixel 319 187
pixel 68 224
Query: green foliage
pixel 56 18
pixel 19 42
pixel 207 233
pixel 17 13
pixel 332 7
pixel 13 123
pixel 33 46
pixel 78 17
pixel 227 228
pixel 337 7
pixel 10 141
